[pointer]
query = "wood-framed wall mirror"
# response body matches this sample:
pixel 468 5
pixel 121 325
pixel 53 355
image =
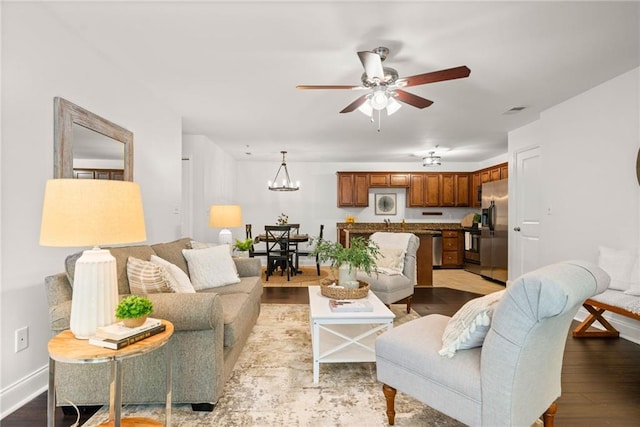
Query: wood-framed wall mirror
pixel 89 146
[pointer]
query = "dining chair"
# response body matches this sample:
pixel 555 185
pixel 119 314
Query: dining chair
pixel 308 251
pixel 279 253
pixel 253 252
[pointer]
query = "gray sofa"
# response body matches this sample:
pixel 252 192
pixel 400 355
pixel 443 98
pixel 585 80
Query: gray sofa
pixel 211 327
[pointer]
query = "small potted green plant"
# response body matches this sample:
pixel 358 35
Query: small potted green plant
pixel 361 254
pixel 243 247
pixel 133 310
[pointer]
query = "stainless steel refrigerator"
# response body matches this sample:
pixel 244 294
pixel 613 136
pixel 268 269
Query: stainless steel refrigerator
pixel 494 238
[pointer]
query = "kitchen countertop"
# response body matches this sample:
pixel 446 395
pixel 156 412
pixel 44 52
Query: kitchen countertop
pixel 411 227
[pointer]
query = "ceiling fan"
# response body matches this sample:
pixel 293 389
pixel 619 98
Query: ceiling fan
pixel 386 88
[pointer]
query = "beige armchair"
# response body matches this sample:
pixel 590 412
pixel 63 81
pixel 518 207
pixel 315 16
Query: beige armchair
pixel 391 288
pixel 514 377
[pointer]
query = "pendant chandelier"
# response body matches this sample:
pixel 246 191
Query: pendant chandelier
pixel 287 183
pixel 431 160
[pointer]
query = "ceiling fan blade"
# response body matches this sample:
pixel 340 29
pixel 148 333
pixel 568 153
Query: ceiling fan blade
pixel 411 99
pixel 435 76
pixel 372 64
pixel 328 87
pixel 355 104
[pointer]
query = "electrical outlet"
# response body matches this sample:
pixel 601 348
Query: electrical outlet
pixel 22 338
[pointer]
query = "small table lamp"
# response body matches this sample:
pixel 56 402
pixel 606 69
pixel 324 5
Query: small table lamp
pixel 225 216
pixel 87 212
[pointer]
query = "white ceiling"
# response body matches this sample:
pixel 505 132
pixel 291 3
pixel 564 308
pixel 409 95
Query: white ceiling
pixel 230 68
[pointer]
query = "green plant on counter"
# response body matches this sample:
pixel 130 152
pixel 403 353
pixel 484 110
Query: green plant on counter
pixel 476 218
pixel 243 245
pixel 360 254
pixel 134 306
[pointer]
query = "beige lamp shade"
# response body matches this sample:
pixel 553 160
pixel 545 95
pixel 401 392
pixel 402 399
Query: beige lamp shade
pixel 88 212
pixel 225 216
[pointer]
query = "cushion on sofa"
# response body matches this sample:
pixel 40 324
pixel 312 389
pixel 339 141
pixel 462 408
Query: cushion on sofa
pixel 619 264
pixel 211 267
pixel 178 279
pixel 172 252
pixel 469 326
pixel 146 277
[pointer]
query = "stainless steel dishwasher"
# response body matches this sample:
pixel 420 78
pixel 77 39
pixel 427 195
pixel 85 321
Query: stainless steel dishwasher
pixel 437 249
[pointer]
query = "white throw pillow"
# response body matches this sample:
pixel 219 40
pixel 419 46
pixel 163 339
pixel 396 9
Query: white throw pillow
pixel 390 259
pixel 146 277
pixel 202 245
pixel 180 281
pixel 618 263
pixel 469 326
pixel 211 267
pixel 634 288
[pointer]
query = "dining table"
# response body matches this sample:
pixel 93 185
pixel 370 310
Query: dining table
pixel 294 239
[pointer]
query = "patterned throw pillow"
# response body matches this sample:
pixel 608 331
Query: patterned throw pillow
pixel 146 277
pixel 211 267
pixel 180 282
pixel 470 325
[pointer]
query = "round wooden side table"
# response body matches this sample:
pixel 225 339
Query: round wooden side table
pixel 65 348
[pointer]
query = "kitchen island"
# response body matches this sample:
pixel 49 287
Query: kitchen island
pixel 424 231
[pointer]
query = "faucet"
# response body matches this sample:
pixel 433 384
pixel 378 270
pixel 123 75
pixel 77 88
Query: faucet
pixel 387 221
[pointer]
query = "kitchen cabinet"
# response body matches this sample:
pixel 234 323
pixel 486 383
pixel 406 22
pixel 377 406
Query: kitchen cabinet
pixel 493 173
pixel 388 179
pixel 424 190
pixel 438 189
pixel 452 249
pixel 476 190
pixel 454 189
pixel 353 189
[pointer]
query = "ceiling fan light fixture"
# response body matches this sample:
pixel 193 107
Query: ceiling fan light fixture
pixel 392 106
pixel 287 182
pixel 379 99
pixel 366 108
pixel 431 160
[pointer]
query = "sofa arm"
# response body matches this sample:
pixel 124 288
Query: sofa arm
pixel 188 312
pixel 248 267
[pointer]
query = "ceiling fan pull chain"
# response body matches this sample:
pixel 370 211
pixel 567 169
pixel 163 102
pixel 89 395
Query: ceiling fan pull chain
pixel 379 119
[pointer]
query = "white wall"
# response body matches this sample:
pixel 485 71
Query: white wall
pixel 589 145
pixel 41 60
pixel 214 183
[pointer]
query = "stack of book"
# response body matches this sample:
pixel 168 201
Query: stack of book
pixel 117 336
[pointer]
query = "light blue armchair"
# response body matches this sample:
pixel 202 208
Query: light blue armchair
pixel 514 377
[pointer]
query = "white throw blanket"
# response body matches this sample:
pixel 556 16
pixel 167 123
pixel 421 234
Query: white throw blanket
pixel 394 240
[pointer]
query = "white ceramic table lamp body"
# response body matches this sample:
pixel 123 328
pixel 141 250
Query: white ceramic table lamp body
pixel 90 213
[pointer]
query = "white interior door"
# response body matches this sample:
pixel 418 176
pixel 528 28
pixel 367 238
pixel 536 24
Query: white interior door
pixel 527 212
pixel 187 199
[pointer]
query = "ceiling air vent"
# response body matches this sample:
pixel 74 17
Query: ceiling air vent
pixel 514 110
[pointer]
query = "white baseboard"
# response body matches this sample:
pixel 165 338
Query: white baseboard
pixel 23 391
pixel 629 328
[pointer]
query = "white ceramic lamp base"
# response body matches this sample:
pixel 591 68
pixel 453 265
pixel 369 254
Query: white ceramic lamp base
pixel 95 292
pixel 225 237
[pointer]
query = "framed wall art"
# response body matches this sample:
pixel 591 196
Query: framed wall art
pixel 386 204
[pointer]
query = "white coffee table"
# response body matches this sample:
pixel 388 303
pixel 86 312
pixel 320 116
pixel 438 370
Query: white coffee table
pixel 344 337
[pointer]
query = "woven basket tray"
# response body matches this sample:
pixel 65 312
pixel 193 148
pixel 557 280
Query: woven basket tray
pixel 343 293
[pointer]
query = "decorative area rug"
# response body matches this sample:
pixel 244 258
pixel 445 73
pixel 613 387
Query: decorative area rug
pixel 272 385
pixel 308 277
